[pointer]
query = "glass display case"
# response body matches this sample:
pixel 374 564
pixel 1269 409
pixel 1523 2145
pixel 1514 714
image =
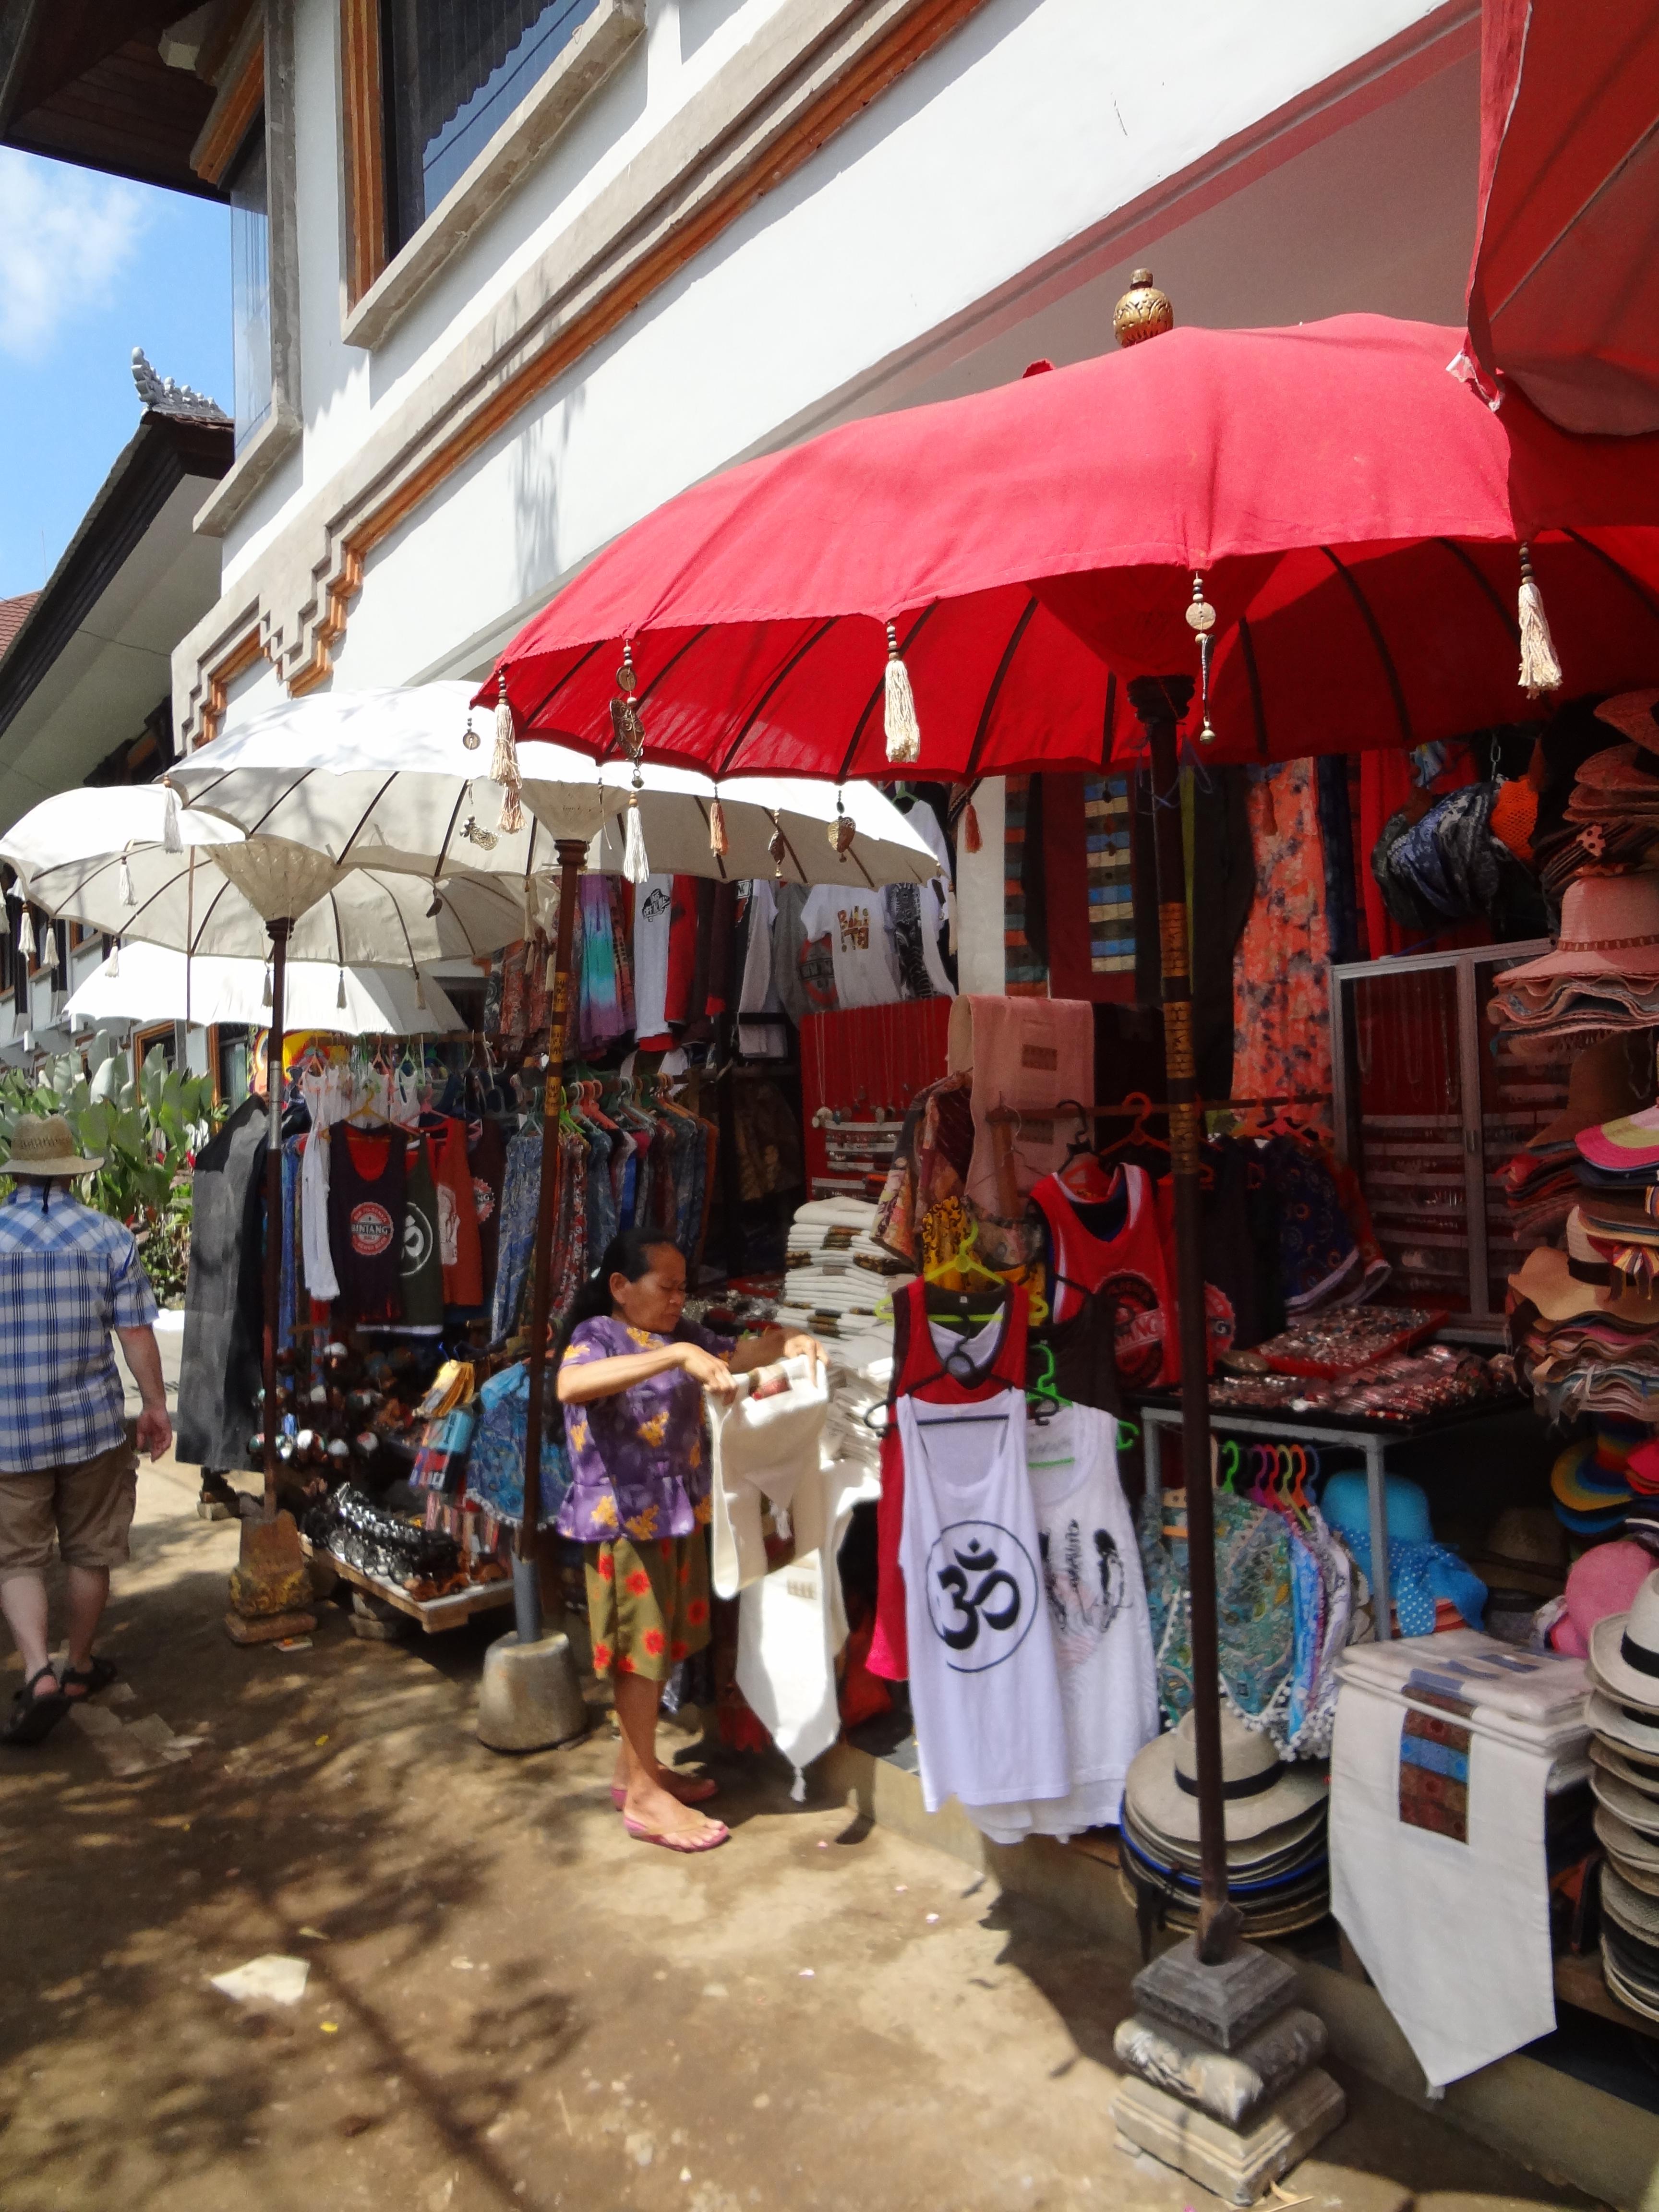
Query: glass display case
pixel 1431 1103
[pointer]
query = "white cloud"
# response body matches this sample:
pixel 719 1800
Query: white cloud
pixel 64 232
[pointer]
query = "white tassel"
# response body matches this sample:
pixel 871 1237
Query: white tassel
pixel 719 843
pixel 340 995
pixel 113 965
pixel 26 936
pixel 798 1788
pixel 49 961
pixel 126 880
pixel 420 990
pixel 172 838
pixel 266 997
pixel 903 736
pixel 504 768
pixel 5 915
pixel 636 866
pixel 1540 670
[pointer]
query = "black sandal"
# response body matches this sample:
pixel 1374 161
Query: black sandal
pixel 33 1719
pixel 89 1679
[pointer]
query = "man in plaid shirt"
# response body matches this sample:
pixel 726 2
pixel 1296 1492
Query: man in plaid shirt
pixel 68 1276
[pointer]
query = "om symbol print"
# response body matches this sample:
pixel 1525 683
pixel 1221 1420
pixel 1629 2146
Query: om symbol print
pixel 982 1594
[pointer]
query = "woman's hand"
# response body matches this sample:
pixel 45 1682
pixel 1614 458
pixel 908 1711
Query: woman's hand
pixel 709 1369
pixel 806 1347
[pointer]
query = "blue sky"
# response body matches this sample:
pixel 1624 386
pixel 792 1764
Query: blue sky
pixel 91 266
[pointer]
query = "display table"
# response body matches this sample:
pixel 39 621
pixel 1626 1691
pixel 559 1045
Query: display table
pixel 1373 1439
pixel 434 1613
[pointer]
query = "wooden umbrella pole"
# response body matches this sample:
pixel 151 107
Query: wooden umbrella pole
pixel 279 935
pixel 526 1569
pixel 1160 702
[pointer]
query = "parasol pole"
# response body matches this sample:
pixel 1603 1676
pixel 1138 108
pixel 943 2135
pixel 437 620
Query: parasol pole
pixel 1160 701
pixel 526 1570
pixel 279 930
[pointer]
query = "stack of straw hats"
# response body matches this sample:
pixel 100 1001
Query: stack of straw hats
pixel 1624 1715
pixel 1277 1863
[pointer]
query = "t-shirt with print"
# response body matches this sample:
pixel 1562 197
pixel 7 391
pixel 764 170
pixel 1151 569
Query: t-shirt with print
pixel 639 1459
pixel 651 911
pixel 851 916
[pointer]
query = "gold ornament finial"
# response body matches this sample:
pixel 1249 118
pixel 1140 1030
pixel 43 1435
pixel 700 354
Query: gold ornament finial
pixel 1143 311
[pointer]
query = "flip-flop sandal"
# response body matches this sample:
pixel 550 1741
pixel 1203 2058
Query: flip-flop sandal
pixel 33 1719
pixel 698 1791
pixel 88 1680
pixel 687 1845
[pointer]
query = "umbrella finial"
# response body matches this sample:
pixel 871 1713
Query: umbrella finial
pixel 1541 669
pixel 1200 619
pixel 903 735
pixel 504 768
pixel 1143 311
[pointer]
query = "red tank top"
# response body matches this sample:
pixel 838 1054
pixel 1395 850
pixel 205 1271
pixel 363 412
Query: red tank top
pixel 921 1370
pixel 1127 1267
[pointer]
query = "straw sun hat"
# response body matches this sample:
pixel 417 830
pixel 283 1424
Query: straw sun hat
pixel 1624 1650
pixel 1258 1792
pixel 42 1146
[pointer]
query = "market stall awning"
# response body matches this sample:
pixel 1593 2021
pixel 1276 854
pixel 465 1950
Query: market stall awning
pixel 1563 289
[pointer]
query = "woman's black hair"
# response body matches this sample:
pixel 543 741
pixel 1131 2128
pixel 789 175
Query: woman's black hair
pixel 628 1255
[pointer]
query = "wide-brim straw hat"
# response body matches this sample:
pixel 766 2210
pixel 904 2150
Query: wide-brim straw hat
pixel 1610 927
pixel 1625 1650
pixel 1627 1844
pixel 1547 1281
pixel 1636 1808
pixel 1258 1791
pixel 42 1146
pixel 1644 1878
pixel 1619 1724
pixel 1619 1760
pixel 1249 1858
pixel 1632 714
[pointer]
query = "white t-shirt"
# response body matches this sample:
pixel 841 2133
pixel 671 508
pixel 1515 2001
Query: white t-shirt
pixel 654 904
pixel 1097 1614
pixel 756 994
pixel 984 1682
pixel 852 917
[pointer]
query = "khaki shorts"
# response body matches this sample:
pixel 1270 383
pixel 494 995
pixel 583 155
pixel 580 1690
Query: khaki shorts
pixel 88 1505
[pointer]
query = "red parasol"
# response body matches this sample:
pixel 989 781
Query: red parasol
pixel 1356 513
pixel 1563 296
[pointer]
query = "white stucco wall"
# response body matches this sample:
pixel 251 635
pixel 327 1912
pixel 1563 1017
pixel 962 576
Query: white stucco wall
pixel 965 218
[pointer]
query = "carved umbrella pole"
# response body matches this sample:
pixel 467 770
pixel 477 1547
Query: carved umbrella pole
pixel 1160 702
pixel 526 1563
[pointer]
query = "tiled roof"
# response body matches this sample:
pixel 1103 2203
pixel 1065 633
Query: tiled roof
pixel 13 613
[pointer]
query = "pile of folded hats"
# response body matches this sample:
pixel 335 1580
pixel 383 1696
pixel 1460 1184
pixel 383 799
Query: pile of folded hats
pixel 837 1275
pixel 1594 811
pixel 1277 1863
pixel 1592 1480
pixel 1585 1343
pixel 1624 1713
pixel 1541 1184
pixel 1603 975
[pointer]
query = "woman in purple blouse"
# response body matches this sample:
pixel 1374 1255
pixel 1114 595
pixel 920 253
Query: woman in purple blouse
pixel 631 1379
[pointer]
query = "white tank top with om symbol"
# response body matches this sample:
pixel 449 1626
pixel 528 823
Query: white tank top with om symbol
pixel 984 1681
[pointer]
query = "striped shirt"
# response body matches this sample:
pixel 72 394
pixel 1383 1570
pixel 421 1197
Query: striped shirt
pixel 67 1275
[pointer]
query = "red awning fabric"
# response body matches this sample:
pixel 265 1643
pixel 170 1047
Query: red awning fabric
pixel 1564 288
pixel 1355 510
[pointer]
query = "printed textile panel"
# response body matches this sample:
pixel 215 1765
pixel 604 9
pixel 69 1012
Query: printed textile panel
pixel 1022 969
pixel 1111 897
pixel 1434 1776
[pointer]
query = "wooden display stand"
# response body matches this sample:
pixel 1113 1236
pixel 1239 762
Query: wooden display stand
pixel 434 1613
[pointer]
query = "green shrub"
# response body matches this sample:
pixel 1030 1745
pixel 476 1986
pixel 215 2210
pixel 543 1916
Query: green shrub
pixel 146 1133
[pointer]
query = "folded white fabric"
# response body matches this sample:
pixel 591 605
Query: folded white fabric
pixel 848 1212
pixel 766 1444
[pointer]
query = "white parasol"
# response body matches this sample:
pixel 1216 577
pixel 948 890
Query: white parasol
pixel 153 983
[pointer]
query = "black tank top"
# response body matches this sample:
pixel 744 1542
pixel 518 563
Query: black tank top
pixel 366 1224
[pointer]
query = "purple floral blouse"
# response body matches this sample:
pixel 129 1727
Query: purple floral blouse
pixel 639 1459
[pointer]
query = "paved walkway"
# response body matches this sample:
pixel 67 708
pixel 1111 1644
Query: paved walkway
pixel 510 2004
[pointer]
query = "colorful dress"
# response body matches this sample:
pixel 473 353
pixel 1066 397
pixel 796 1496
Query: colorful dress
pixel 639 1459
pixel 1281 994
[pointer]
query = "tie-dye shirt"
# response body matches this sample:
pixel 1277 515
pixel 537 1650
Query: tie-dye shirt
pixel 640 1458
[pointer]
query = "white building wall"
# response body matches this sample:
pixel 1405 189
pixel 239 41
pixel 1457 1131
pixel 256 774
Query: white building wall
pixel 976 195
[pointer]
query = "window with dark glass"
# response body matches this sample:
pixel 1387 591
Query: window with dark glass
pixel 250 284
pixel 454 70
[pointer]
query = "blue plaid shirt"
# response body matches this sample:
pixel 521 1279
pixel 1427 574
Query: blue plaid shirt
pixel 67 1276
